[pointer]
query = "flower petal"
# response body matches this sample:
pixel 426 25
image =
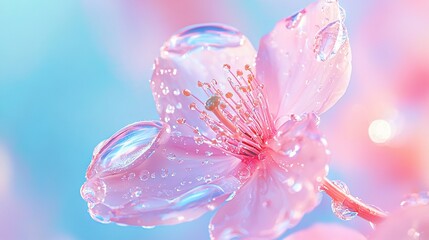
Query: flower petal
pixel 281 190
pixel 327 232
pixel 305 62
pixel 301 150
pixel 264 207
pixel 197 53
pixel 145 176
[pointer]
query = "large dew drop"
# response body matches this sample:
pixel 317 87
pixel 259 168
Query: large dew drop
pixel 126 146
pixel 203 37
pixel 329 40
pixel 341 211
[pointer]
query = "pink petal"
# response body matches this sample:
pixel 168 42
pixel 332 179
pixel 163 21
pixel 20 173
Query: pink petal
pixel 408 223
pixel 301 150
pixel 196 54
pixel 305 62
pixel 145 176
pixel 327 232
pixel 280 191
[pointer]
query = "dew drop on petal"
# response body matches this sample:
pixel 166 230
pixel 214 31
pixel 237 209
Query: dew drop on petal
pixel 94 191
pixel 329 40
pixel 144 175
pixel 176 92
pixel 171 156
pixel 170 109
pixel 128 145
pixel 294 20
pixel 203 36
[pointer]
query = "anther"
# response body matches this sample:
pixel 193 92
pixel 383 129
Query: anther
pixel 186 92
pixel 212 103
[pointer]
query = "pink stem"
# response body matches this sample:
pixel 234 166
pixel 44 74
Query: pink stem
pixel 364 211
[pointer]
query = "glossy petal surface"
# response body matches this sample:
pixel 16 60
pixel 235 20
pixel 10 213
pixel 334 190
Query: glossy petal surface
pixel 301 150
pixel 305 62
pixel 169 181
pixel 327 232
pixel 281 189
pixel 409 223
pixel 197 53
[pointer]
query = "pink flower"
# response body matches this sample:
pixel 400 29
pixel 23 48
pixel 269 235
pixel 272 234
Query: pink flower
pixel 229 133
pixel 327 232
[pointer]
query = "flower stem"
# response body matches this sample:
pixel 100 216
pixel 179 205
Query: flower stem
pixel 364 211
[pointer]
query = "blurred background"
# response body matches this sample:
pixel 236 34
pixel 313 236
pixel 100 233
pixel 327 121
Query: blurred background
pixel 74 72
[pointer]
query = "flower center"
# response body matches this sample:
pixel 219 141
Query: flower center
pixel 240 118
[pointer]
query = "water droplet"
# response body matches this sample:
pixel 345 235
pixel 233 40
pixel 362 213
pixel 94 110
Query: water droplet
pixel 244 173
pixel 294 20
pixel 207 178
pixel 176 92
pixel 153 175
pixel 128 145
pixel 416 199
pixel 171 156
pixel 131 176
pixel 179 106
pixel 144 175
pixel 164 173
pixel 135 192
pixel 342 212
pixel 93 191
pixel 208 153
pixel 266 203
pixel 329 40
pixel 342 186
pixel 169 109
pixel 205 162
pixel 165 91
pixel 203 36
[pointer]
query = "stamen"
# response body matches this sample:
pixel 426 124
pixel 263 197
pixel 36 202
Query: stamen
pixel 240 118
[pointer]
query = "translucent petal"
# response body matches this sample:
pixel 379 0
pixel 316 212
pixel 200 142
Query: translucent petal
pixel 162 178
pixel 408 223
pixel 281 190
pixel 301 150
pixel 265 206
pixel 327 232
pixel 305 61
pixel 197 53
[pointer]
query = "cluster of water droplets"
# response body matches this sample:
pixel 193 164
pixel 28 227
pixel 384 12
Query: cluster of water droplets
pixel 340 210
